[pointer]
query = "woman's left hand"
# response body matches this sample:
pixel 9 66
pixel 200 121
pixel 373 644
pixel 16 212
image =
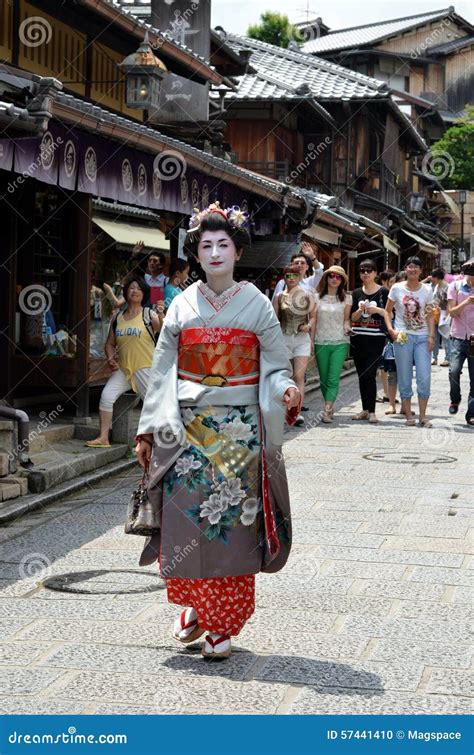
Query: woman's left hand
pixel 304 328
pixel 431 343
pixel 292 397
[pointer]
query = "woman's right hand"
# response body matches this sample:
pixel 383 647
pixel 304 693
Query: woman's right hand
pixel 143 451
pixel 393 334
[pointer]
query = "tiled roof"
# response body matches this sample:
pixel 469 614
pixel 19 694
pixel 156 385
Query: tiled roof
pixel 357 36
pixel 289 69
pixel 448 47
pixel 125 209
pixel 207 160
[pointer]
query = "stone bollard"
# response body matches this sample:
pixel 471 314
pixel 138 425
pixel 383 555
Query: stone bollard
pixel 123 426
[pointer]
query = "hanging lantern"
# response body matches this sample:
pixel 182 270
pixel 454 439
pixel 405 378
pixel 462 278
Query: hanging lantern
pixel 144 73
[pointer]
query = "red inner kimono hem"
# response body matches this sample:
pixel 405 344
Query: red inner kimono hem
pixel 222 604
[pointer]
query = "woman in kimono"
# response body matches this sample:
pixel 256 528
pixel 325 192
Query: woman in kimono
pixel 211 430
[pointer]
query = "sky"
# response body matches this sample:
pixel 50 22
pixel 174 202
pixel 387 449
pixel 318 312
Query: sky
pixel 236 15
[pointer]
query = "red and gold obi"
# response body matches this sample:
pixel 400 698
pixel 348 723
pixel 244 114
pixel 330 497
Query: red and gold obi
pixel 219 356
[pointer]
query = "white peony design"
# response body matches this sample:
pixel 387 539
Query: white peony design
pixel 186 464
pixel 250 509
pixel 236 430
pixel 212 508
pixel 231 492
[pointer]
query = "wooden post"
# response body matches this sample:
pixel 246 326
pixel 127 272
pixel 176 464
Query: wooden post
pixel 82 286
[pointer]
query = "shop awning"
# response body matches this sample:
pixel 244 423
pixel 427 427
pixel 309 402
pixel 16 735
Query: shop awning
pixel 128 234
pixel 424 245
pixel 390 245
pixel 319 233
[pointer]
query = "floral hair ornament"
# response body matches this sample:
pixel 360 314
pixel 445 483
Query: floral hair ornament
pixel 236 217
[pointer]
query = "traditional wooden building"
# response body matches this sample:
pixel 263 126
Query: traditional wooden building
pixel 427 59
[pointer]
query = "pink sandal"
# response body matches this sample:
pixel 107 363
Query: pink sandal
pixel 182 626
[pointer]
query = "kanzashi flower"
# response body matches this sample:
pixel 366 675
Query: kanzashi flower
pixel 186 464
pixel 250 509
pixel 230 492
pixel 236 430
pixel 212 508
pixel 237 217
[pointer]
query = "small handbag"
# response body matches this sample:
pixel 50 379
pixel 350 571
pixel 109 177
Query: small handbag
pixel 142 516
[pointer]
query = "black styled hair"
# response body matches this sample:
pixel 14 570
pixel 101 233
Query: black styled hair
pixel 367 265
pixel 438 272
pixel 341 289
pixel 214 221
pixel 143 285
pixel 160 255
pixel 177 266
pixel 414 261
pixel 400 276
pixel 307 259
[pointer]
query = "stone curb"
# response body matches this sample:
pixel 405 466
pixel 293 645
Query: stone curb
pixel 28 503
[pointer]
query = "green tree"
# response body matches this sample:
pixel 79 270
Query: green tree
pixel 456 146
pixel 275 29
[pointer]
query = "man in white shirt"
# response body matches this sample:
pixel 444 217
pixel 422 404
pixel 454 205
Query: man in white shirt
pixel 154 275
pixel 302 258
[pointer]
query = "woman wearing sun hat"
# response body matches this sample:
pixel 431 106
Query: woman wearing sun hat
pixel 333 307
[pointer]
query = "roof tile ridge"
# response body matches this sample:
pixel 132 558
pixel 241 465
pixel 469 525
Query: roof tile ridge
pixel 313 61
pixel 443 11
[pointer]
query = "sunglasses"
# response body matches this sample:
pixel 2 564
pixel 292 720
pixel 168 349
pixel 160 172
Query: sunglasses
pixel 335 275
pixel 291 276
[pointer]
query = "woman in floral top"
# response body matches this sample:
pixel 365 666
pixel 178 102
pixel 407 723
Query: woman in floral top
pixel 211 428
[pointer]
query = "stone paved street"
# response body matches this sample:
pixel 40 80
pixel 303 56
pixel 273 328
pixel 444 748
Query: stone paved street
pixel 371 614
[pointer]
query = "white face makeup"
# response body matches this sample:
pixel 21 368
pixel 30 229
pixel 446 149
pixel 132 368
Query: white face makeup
pixel 217 253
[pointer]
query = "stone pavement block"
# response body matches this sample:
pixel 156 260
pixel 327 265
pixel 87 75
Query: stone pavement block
pixel 433 544
pixel 68 608
pixel 149 693
pixel 341 702
pixel 450 682
pixel 162 661
pixel 27 706
pixel 9 626
pixel 429 526
pixel 144 634
pixel 416 630
pixel 358 675
pixel 428 653
pixel 365 570
pixel 286 582
pixel 26 681
pixel 21 653
pixel 10 588
pixel 8 491
pixel 423 610
pixel 342 538
pixel 325 602
pixel 308 644
pixel 403 589
pixel 441 576
pixel 463 595
pixel 389 556
pixel 291 623
pixel 303 527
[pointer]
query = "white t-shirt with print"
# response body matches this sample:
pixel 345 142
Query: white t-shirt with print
pixel 411 307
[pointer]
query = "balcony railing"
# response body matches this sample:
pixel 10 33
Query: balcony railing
pixel 287 172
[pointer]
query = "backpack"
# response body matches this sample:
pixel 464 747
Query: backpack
pixel 146 321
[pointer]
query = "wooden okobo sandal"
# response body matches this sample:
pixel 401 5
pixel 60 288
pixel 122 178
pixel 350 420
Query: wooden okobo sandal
pixel 182 624
pixel 209 650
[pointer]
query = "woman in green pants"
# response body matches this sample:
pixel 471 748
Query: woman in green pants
pixel 333 312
